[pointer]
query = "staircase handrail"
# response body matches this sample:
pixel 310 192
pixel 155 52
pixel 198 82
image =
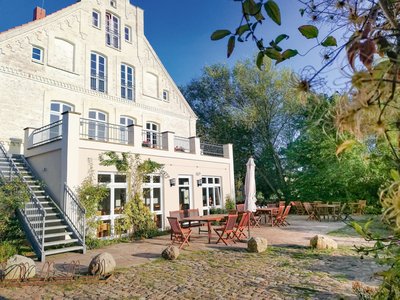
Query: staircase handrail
pixel 80 225
pixel 33 199
pixel 80 235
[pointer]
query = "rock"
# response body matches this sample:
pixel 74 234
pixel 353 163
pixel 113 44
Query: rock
pixel 322 242
pixel 257 245
pixel 19 267
pixel 102 264
pixel 170 253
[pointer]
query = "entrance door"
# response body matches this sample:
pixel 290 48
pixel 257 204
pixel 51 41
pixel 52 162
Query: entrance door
pixel 185 192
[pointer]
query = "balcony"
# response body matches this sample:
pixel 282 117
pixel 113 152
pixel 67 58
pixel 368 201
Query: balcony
pixel 133 137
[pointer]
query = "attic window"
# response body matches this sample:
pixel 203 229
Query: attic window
pixel 165 95
pixel 113 3
pixel 37 54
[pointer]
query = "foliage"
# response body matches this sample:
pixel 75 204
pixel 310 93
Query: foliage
pixel 217 211
pixel 229 204
pixel 7 250
pixel 137 216
pixel 95 243
pixel 13 195
pixel 90 195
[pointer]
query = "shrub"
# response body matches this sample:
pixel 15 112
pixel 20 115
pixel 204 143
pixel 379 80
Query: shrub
pixel 6 251
pixel 229 203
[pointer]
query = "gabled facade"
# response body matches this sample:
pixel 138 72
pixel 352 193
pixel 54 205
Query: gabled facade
pixel 85 80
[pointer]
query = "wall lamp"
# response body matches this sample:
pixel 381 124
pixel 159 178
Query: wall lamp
pixel 172 182
pixel 199 182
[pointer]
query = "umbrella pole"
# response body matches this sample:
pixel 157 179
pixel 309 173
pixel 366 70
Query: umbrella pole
pixel 248 226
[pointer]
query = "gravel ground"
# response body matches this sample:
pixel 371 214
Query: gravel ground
pixel 227 273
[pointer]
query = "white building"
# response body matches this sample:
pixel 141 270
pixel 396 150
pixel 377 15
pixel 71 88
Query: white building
pixel 93 60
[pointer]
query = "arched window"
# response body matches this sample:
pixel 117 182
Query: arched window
pixel 151 136
pixel 56 110
pixel 125 121
pixel 97 125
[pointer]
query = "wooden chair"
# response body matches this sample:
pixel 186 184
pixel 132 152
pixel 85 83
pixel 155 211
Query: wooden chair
pixel 195 213
pixel 278 216
pixel 310 211
pixel 299 207
pixel 240 208
pixel 362 204
pixel 336 210
pixel 226 232
pixel 241 226
pixel 179 234
pixel 282 220
pixel 282 203
pixel 272 205
pixel 255 220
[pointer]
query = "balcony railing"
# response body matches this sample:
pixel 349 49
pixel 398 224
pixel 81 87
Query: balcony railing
pixel 104 132
pixel 47 134
pixel 181 144
pixel 152 139
pixel 212 149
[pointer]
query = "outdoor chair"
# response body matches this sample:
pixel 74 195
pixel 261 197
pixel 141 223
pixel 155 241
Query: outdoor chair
pixel 282 221
pixel 299 207
pixel 241 226
pixel 255 220
pixel 195 213
pixel 226 232
pixel 278 216
pixel 179 234
pixel 310 211
pixel 282 203
pixel 362 204
pixel 336 210
pixel 272 205
pixel 240 208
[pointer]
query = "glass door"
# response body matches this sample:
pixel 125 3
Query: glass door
pixel 185 192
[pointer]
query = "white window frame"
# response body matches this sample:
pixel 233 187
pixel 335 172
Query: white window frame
pixel 126 85
pixel 113 31
pixel 214 186
pixel 98 72
pixel 97 127
pixel 125 121
pixel 112 185
pixel 128 35
pixel 98 25
pixel 41 54
pixel 165 95
pixel 113 3
pixel 152 185
pixel 152 134
pixel 63 107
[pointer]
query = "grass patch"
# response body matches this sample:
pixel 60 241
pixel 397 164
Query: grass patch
pixel 376 227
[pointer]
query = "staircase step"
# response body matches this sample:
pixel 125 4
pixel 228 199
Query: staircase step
pixel 62 250
pixel 55 227
pixel 53 235
pixel 47 220
pixel 61 242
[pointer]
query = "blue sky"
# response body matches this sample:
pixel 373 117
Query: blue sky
pixel 179 31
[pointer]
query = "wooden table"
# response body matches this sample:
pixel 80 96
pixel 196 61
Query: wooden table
pixel 206 219
pixel 329 207
pixel 268 211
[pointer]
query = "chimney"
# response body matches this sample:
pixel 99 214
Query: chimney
pixel 38 13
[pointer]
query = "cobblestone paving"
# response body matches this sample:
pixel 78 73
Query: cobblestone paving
pixel 279 273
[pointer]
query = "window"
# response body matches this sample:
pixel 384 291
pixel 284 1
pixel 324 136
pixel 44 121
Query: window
pixel 96 19
pixel 152 193
pixel 56 110
pixel 127 79
pixel 125 122
pixel 211 193
pixel 98 72
pixel 151 136
pixel 97 125
pixel 165 95
pixel 113 3
pixel 112 31
pixel 127 34
pixel 37 54
pixel 113 204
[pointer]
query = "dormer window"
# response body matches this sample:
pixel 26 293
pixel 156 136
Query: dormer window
pixel 113 3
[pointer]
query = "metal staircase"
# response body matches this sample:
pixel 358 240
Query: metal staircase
pixel 49 229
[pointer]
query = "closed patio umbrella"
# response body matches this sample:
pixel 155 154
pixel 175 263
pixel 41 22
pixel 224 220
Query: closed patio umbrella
pixel 250 188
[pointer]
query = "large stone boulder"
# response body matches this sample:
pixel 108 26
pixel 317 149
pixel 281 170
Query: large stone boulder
pixel 170 253
pixel 322 242
pixel 102 264
pixel 19 267
pixel 257 245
